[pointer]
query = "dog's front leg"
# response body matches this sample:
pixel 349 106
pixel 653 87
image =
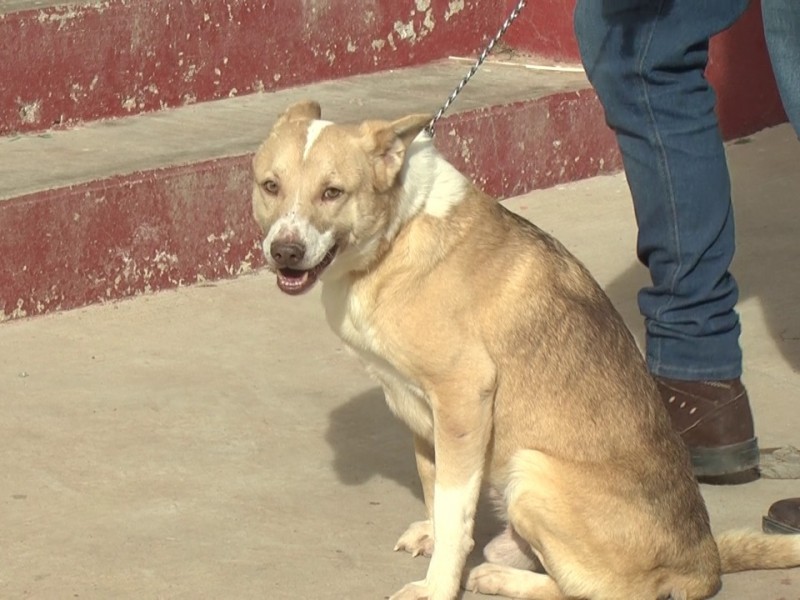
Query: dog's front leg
pixel 418 538
pixel 462 426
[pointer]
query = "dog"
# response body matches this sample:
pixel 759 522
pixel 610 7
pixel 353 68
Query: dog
pixel 508 363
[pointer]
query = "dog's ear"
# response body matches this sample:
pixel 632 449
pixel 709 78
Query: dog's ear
pixel 409 127
pixel 387 144
pixel 305 109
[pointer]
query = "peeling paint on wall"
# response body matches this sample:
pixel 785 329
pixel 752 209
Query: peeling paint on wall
pixel 429 23
pixel 124 46
pixel 455 7
pixel 405 31
pixel 29 112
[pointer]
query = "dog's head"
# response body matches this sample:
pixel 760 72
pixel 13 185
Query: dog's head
pixel 326 195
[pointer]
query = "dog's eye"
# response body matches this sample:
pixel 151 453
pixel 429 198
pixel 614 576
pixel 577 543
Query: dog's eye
pixel 331 193
pixel 271 187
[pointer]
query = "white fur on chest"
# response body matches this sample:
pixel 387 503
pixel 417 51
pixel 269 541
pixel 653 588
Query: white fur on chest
pixel 430 186
pixel 349 320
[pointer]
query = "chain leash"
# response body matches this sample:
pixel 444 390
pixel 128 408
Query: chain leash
pixel 474 68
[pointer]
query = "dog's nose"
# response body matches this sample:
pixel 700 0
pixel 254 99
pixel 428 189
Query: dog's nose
pixel 287 254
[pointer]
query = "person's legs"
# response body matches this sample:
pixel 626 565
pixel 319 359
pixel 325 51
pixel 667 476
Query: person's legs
pixel 782 31
pixel 646 60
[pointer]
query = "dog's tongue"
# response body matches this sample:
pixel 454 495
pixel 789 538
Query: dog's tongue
pixel 292 281
pixel 295 281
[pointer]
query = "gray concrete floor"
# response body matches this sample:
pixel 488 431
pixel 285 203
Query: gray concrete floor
pixel 218 442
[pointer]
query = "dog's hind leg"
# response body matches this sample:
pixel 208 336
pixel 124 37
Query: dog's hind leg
pixel 509 570
pixel 503 580
pixel 509 549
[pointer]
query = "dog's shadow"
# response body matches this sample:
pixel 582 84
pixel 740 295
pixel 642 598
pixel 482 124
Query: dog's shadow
pixel 765 264
pixel 369 441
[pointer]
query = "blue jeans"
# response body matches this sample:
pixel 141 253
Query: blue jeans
pixel 782 30
pixel 646 60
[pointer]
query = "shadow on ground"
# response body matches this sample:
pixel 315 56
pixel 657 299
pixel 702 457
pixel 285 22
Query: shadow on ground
pixel 369 441
pixel 767 254
pixel 765 265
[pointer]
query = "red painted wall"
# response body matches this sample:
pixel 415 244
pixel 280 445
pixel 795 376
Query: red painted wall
pixel 63 65
pixel 741 73
pixel 544 28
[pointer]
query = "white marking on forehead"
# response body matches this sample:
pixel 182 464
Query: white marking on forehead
pixel 314 129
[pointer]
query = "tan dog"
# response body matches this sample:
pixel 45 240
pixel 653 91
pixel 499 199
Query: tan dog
pixel 508 363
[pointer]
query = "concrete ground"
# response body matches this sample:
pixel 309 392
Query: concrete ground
pixel 218 442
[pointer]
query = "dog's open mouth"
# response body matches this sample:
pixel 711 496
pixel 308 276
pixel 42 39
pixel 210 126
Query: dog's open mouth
pixel 297 281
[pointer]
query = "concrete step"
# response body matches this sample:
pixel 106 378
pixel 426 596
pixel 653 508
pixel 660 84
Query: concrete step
pixel 126 206
pixel 69 62
pixel 63 63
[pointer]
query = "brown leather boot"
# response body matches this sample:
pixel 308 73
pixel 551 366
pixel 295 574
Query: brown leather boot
pixel 783 517
pixel 715 422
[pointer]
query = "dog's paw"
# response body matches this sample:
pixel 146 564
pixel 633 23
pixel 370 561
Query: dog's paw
pixel 417 539
pixel 502 580
pixel 486 578
pixel 413 591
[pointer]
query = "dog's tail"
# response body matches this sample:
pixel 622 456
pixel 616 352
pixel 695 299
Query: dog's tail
pixel 753 550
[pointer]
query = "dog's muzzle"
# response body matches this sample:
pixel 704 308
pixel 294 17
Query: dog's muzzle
pixel 287 258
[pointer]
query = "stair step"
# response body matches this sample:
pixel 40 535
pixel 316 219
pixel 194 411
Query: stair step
pixel 237 125
pixel 62 63
pixel 117 208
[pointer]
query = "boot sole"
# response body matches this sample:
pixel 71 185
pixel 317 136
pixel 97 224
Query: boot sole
pixel 726 461
pixel 772 526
